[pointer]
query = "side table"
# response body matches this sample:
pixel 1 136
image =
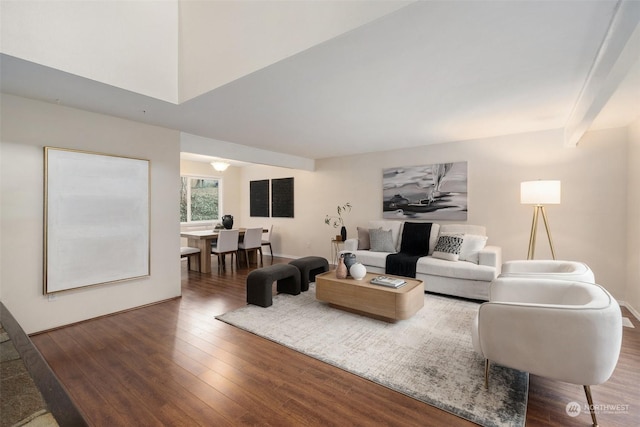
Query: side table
pixel 335 250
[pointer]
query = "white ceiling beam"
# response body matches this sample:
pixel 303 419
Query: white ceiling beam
pixel 620 49
pixel 190 143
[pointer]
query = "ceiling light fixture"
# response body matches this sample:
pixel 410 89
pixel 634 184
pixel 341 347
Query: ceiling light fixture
pixel 220 166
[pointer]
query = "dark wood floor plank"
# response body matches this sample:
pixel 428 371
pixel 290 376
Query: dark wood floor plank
pixel 103 377
pixel 175 364
pixel 150 404
pixel 159 367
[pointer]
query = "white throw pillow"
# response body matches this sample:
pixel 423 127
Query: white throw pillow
pixel 433 238
pixel 448 247
pixel 472 244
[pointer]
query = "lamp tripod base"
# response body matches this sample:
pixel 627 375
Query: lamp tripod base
pixel 537 209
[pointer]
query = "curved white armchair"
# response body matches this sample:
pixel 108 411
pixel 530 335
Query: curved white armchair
pixel 548 269
pixel 565 330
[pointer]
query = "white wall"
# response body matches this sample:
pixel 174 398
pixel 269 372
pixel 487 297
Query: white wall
pixel 301 235
pixel 586 226
pixel 633 220
pixel 129 44
pixel 28 126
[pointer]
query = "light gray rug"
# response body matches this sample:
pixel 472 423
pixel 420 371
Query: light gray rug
pixel 428 357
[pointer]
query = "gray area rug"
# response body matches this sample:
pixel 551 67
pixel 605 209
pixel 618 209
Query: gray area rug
pixel 428 357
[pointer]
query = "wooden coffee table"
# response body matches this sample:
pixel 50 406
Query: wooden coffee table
pixel 362 297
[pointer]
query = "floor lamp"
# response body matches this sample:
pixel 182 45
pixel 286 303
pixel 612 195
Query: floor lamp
pixel 539 193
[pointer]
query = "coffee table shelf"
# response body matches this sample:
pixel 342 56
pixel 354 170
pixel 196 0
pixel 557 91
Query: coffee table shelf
pixel 374 300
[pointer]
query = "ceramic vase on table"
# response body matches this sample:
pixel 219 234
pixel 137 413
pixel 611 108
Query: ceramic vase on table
pixel 341 270
pixel 358 271
pixel 227 221
pixel 343 233
pixel 349 260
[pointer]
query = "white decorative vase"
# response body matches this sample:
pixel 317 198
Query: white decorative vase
pixel 358 271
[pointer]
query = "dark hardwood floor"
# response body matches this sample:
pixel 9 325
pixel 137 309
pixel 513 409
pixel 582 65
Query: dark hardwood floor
pixel 173 363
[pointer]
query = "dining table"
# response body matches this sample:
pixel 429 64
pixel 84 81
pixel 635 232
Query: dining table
pixel 202 240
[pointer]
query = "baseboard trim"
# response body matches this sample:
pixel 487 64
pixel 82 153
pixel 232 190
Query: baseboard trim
pixel 104 315
pixel 632 310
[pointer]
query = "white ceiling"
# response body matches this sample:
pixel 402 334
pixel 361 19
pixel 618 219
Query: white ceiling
pixel 430 72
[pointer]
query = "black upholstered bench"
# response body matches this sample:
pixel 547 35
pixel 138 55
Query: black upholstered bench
pixel 260 281
pixel 309 267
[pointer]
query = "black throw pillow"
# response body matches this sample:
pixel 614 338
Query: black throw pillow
pixel 415 238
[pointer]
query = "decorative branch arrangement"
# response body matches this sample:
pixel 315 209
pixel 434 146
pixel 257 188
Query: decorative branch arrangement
pixel 338 221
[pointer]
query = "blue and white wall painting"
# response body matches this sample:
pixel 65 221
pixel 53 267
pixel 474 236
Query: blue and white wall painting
pixel 437 191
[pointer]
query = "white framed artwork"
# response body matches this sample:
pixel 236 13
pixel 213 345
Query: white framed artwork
pixel 96 226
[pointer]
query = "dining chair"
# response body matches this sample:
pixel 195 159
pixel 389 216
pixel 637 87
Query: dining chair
pixel 266 241
pixel 190 253
pixel 227 243
pixel 252 242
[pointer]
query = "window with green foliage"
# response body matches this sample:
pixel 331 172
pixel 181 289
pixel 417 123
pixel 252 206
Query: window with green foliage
pixel 199 199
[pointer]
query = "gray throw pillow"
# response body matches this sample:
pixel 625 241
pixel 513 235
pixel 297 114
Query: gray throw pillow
pixel 381 240
pixel 364 242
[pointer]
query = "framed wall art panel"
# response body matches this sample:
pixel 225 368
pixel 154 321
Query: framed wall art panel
pixel 429 192
pixel 282 197
pixel 259 198
pixel 96 219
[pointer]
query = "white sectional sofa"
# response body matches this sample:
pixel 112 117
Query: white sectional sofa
pixel 468 277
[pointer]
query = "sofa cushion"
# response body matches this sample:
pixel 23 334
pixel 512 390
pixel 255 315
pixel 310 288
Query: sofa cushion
pixel 459 269
pixel 369 258
pixel 433 238
pixel 381 240
pixel 463 229
pixel 448 247
pixel 363 238
pixel 471 246
pixel 394 226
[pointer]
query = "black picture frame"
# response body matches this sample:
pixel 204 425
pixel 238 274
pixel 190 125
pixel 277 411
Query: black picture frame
pixel 282 198
pixel 259 198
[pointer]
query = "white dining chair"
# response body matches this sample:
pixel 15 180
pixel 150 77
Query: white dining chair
pixel 252 242
pixel 190 253
pixel 266 241
pixel 227 243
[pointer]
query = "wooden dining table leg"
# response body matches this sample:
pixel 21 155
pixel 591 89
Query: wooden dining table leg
pixel 205 254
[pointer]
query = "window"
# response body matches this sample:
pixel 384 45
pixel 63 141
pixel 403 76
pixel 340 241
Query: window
pixel 200 199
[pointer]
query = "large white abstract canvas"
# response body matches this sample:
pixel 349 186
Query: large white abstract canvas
pixel 96 219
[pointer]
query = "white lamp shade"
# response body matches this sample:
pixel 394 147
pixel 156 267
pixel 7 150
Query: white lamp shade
pixel 540 192
pixel 220 166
